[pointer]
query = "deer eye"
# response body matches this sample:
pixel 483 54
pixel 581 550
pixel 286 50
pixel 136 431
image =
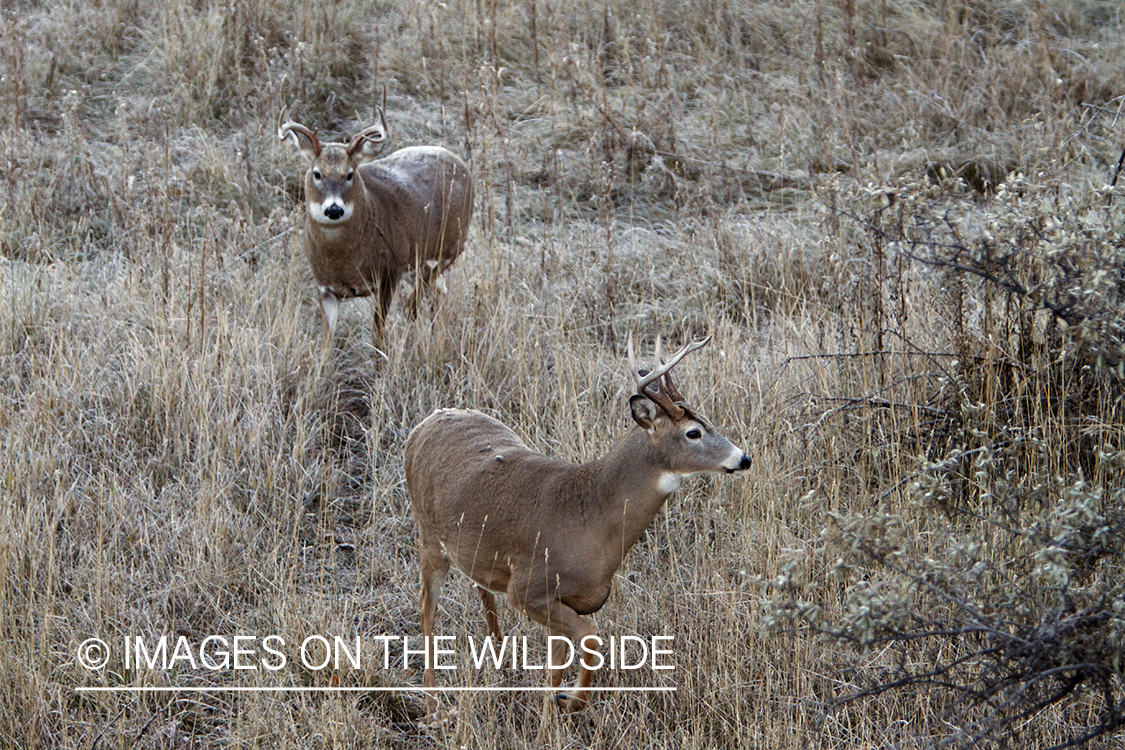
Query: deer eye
pixel 693 434
pixel 349 177
pixel 316 174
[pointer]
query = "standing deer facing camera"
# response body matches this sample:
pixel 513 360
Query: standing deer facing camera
pixel 547 533
pixel 372 222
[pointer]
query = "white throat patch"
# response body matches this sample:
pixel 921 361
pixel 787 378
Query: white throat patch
pixel 669 482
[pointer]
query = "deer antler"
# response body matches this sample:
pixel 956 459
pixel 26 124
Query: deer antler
pixel 295 127
pixel 673 392
pixel 375 135
pixel 666 397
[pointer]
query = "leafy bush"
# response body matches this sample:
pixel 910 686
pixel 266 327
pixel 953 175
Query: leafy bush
pixel 996 586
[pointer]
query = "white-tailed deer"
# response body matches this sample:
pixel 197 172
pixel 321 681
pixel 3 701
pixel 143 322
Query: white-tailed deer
pixel 369 224
pixel 547 533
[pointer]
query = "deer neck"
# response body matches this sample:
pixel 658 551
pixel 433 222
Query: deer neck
pixel 632 486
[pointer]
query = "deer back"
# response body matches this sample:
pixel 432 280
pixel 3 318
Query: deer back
pixel 420 201
pixel 492 502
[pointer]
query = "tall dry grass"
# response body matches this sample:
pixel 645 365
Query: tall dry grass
pixel 176 457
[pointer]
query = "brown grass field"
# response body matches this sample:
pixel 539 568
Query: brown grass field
pixel 178 458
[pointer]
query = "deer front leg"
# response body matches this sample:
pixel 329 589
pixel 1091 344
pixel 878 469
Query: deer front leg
pixel 562 620
pixel 580 698
pixel 329 310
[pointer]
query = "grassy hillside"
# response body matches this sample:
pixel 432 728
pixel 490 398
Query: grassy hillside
pixel 178 458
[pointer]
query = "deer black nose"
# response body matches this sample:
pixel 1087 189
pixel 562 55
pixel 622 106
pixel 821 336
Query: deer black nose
pixel 744 463
pixel 335 211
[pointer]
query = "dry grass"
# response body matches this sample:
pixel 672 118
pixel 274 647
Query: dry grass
pixel 177 459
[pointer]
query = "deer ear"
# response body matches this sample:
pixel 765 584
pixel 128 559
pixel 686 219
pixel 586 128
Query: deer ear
pixel 645 412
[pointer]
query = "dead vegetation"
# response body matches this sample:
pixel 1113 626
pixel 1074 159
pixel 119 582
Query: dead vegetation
pixel 893 218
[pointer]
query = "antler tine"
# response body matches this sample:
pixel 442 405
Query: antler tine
pixel 644 380
pixel 284 130
pixel 369 134
pixel 671 390
pixel 669 386
pixel 664 367
pixel 633 368
pixel 374 134
pixel 667 396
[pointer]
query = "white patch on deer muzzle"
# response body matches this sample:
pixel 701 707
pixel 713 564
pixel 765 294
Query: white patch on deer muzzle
pixel 734 460
pixel 320 211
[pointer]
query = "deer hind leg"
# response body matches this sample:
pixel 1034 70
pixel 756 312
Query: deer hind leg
pixel 384 291
pixel 427 275
pixel 562 620
pixel 490 616
pixel 435 567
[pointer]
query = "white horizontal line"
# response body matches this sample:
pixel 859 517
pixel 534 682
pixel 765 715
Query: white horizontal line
pixel 398 688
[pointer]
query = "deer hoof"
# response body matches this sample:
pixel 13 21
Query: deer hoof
pixel 438 715
pixel 567 702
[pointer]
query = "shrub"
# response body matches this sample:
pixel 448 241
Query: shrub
pixel 995 586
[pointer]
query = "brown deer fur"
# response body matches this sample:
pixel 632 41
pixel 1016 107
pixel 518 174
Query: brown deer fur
pixel 370 223
pixel 546 533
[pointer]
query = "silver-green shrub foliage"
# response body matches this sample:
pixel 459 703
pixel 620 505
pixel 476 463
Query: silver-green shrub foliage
pixel 995 586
